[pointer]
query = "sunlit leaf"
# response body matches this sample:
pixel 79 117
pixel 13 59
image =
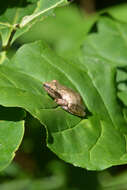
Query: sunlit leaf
pixel 11 134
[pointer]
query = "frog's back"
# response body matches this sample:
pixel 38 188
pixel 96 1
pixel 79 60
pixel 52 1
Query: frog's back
pixel 71 96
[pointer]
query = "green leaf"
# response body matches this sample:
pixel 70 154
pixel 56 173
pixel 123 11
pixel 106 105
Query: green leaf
pixel 123 96
pixel 115 182
pixel 11 17
pixel 121 79
pixel 95 142
pixel 122 86
pixel 121 75
pixel 43 7
pixel 109 44
pixel 16 184
pixel 61 31
pixel 17 20
pixel 118 12
pixel 16 85
pixel 11 134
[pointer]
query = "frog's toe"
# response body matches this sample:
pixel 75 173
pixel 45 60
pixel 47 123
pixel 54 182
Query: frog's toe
pixel 65 108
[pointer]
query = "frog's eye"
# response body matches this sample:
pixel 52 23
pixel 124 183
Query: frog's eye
pixel 46 85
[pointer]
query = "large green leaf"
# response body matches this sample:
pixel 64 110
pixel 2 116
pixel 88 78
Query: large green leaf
pixel 11 134
pixel 109 44
pixel 95 142
pixel 17 18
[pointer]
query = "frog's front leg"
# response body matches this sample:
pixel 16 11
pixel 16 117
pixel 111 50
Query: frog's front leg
pixel 61 102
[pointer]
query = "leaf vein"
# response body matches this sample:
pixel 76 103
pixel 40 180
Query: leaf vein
pixel 12 82
pixel 101 97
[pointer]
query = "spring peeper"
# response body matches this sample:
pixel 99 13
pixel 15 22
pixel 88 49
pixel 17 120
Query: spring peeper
pixel 67 98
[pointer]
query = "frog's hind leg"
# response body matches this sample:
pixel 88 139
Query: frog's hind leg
pixel 61 102
pixel 76 110
pixel 65 108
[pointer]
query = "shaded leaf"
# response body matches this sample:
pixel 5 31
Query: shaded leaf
pixel 12 114
pixel 115 182
pixel 121 75
pixel 123 96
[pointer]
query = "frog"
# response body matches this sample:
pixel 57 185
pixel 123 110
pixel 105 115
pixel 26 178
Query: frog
pixel 65 97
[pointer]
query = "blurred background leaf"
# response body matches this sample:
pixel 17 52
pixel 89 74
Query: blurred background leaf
pixel 65 32
pixel 112 181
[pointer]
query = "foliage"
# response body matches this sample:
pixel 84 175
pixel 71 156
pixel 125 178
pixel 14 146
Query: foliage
pixel 85 53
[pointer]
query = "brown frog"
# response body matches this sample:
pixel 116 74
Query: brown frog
pixel 67 98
